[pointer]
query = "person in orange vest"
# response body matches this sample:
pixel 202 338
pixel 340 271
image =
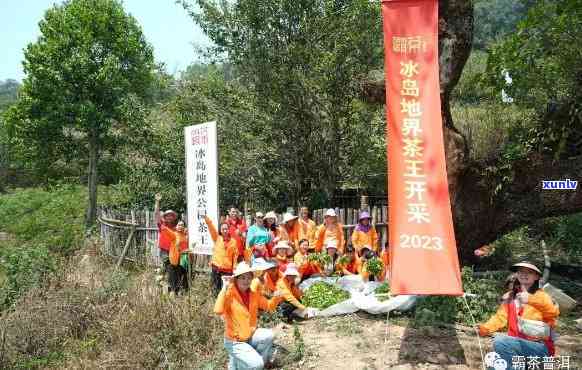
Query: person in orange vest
pixel 530 317
pixel 167 222
pixel 290 292
pixel 307 226
pixel 267 275
pixel 305 267
pixel 224 254
pixel 330 230
pixel 331 250
pixel 289 231
pixel 365 234
pixel 282 254
pixel 248 347
pixel 365 255
pixel 385 258
pixel 237 230
pixel 182 244
pixel 350 266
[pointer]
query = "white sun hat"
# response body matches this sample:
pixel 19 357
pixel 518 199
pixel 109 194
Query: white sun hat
pixel 260 264
pixel 282 245
pixel 241 269
pixel 331 244
pixel 272 215
pixel 289 217
pixel 291 270
pixel 330 213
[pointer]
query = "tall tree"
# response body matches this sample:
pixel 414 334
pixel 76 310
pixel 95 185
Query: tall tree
pixel 86 77
pixel 299 59
pixel 493 197
pixel 306 56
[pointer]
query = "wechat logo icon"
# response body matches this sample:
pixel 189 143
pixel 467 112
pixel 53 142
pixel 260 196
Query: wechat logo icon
pixel 493 360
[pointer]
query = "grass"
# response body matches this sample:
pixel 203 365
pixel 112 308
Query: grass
pixel 93 317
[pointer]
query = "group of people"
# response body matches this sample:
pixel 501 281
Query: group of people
pixel 259 268
pixel 292 241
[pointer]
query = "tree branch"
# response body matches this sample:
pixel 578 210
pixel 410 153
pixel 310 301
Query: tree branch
pixel 481 215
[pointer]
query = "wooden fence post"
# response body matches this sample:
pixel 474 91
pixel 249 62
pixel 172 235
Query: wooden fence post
pixel 125 248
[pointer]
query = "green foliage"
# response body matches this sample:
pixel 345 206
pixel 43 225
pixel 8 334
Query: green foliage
pixel 384 290
pixel 301 61
pixel 299 350
pixel 323 295
pixel 375 266
pixel 44 225
pixel 495 19
pixel 445 309
pixel 8 93
pixel 87 76
pixel 321 258
pixel 24 267
pixel 545 65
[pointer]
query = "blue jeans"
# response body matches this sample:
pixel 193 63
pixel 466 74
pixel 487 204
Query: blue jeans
pixel 251 355
pixel 507 347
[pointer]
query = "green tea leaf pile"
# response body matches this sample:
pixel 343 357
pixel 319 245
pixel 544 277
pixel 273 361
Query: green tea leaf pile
pixel 321 258
pixel 375 266
pixel 323 295
pixel 384 290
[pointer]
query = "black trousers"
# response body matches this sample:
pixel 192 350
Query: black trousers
pixel 216 280
pixel 177 275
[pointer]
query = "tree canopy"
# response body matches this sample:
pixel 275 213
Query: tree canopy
pixel 86 77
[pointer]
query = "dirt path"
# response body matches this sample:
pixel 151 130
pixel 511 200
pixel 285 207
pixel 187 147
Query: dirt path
pixel 357 342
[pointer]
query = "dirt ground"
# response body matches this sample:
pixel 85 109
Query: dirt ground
pixel 362 341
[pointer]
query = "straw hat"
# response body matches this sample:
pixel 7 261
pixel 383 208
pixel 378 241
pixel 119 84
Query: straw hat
pixel 289 217
pixel 260 264
pixel 291 270
pixel 282 245
pixel 330 213
pixel 242 268
pixel 528 265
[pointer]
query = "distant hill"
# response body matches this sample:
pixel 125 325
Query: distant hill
pixel 8 93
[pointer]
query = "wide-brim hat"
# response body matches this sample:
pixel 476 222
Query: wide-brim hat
pixel 241 269
pixel 260 264
pixel 363 216
pixel 272 215
pixel 291 270
pixel 282 245
pixel 528 265
pixel 289 217
pixel 330 213
pixel 331 244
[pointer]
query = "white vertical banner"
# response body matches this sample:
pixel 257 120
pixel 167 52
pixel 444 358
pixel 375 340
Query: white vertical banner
pixel 201 183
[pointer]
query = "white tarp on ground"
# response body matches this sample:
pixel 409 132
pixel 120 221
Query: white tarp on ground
pixel 361 297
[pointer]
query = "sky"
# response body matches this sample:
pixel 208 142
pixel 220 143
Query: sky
pixel 165 24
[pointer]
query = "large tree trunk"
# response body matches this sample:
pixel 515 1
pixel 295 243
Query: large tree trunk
pixel 92 178
pixel 483 207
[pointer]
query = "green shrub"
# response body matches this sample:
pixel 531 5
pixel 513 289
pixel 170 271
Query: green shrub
pixel 445 309
pixel 24 267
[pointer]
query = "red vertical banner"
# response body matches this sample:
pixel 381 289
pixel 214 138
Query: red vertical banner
pixel 423 249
